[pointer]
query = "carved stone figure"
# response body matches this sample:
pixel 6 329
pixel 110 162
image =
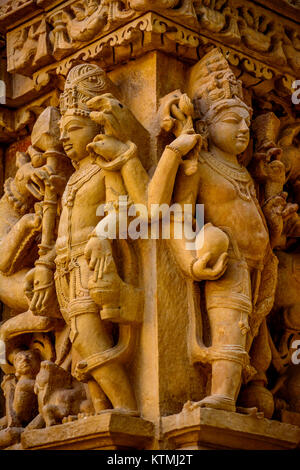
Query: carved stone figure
pixel 21 401
pixel 235 302
pixel 126 321
pixel 23 406
pixel 83 288
pixel 90 17
pixel 33 182
pixel 20 227
pixel 59 394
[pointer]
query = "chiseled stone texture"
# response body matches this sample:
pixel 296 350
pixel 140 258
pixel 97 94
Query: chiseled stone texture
pixel 108 431
pixel 215 429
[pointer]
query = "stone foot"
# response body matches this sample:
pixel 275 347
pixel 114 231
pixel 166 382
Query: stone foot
pixel 250 412
pixel 10 436
pixel 70 418
pixel 218 402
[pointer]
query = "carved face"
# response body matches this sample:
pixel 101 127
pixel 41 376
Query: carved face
pixel 25 185
pixel 230 132
pixel 76 133
pixel 26 363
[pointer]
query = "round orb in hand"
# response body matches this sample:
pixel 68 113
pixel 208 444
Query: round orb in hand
pixel 212 240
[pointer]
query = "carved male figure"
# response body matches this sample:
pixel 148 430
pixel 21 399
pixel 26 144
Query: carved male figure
pixel 223 185
pixel 79 253
pixel 21 401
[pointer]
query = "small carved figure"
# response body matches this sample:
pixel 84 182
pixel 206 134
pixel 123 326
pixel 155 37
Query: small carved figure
pixel 21 401
pixel 90 18
pixel 268 170
pixel 34 181
pixel 59 394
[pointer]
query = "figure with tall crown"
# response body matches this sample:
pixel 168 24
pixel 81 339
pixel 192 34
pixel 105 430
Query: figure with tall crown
pixel 89 289
pixel 235 260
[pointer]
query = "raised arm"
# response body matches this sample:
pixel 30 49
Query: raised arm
pixel 162 184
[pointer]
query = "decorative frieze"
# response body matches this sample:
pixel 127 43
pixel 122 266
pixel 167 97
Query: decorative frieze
pixel 60 32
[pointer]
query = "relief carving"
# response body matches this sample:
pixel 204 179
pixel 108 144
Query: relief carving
pixel 59 395
pixel 107 334
pixel 97 297
pixel 29 47
pixel 239 291
pixel 60 33
pixel 86 278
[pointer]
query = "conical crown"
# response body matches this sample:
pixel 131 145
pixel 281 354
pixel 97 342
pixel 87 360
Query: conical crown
pixel 83 82
pixel 213 86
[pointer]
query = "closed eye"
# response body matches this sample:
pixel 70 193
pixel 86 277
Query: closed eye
pixel 231 121
pixel 74 128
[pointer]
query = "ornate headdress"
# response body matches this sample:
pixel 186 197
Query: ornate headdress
pixel 213 86
pixel 84 81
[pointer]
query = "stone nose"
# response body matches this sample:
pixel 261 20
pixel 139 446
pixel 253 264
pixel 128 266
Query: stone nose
pixel 63 136
pixel 244 128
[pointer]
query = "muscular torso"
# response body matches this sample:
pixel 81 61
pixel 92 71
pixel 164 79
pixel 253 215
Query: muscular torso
pixel 234 206
pixel 79 206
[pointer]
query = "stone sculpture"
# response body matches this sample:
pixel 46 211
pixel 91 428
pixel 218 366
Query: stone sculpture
pixel 126 321
pixel 86 277
pixel 59 394
pixel 234 277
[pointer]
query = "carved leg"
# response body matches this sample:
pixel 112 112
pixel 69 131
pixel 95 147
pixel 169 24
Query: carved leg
pixel 98 397
pixel 9 386
pixel 255 394
pixel 91 338
pixel 52 415
pixel 3 423
pixel 228 357
pixel 228 302
pixel 26 323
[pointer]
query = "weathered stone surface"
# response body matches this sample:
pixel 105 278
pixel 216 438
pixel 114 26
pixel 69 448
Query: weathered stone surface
pixel 214 429
pixel 108 431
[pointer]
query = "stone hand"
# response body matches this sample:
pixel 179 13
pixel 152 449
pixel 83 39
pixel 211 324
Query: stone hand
pixel 24 183
pixel 39 289
pixel 186 142
pixel 276 171
pixel 34 220
pixel 104 285
pixel 202 272
pixel 278 213
pixel 289 211
pixel 46 176
pixel 107 147
pixel 99 257
pixel 38 216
